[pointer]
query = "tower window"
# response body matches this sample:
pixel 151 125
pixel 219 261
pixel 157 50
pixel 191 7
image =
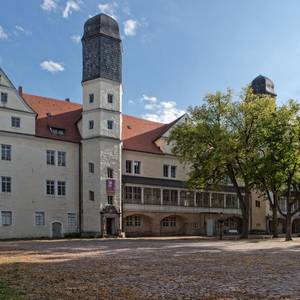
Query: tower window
pixel 92 195
pixel 110 98
pixel 91 98
pixel 110 200
pixel 257 203
pixel 110 124
pixel 110 173
pixel 91 167
pixel 15 122
pixel 91 124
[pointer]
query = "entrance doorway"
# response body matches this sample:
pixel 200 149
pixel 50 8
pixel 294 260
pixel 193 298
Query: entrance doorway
pixel 56 230
pixel 109 226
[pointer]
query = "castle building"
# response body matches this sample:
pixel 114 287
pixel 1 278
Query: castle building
pixel 67 168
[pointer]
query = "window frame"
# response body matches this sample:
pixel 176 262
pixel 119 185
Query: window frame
pixel 39 215
pixel 4 215
pixel 91 98
pixel 50 157
pixel 6 184
pixel 6 152
pixel 61 158
pixel 15 122
pixel 110 98
pixel 91 124
pixel 91 168
pixel 110 124
pixel 50 186
pixel 61 188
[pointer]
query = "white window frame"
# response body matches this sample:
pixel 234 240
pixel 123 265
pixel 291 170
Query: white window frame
pixel 48 182
pixel 61 158
pixel 72 219
pixel 50 157
pixel 61 188
pixel 6 152
pixel 3 218
pixel 39 218
pixel 6 184
pixel 15 122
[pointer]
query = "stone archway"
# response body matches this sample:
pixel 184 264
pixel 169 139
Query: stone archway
pixel 172 225
pixel 138 224
pixel 110 221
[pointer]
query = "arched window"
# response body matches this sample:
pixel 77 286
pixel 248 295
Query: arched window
pixel 168 222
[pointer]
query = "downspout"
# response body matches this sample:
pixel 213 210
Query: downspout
pixel 80 191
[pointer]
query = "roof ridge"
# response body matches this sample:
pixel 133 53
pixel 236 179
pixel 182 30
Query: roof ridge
pixel 53 99
pixel 131 116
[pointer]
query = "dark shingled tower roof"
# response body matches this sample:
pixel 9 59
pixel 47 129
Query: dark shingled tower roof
pixel 102 24
pixel 101 49
pixel 263 85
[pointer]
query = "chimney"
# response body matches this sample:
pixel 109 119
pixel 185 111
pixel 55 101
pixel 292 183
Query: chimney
pixel 20 91
pixel 68 99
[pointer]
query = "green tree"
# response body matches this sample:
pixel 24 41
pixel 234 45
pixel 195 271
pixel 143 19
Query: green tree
pixel 220 141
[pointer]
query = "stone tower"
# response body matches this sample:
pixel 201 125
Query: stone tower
pixel 101 126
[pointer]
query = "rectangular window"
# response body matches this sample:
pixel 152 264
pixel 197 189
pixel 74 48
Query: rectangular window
pixel 187 198
pixel 257 203
pixel 152 196
pixel 133 221
pixel 170 197
pixel 217 200
pixel 6 152
pixel 202 199
pixel 128 166
pixel 110 173
pixel 91 98
pixel 51 157
pixel 61 188
pixel 92 195
pixel 128 194
pixel 110 200
pixel 168 222
pixel 6 217
pixel 110 98
pixel 57 131
pixel 40 218
pixel 4 97
pixel 91 124
pixel 110 124
pixel 15 122
pixel 173 171
pixel 231 201
pixel 166 170
pixel 72 219
pixel 91 167
pixel 50 187
pixel 61 158
pixel 137 167
pixel 5 184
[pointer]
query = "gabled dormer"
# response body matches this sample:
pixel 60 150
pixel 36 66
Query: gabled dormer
pixel 15 114
pixel 162 141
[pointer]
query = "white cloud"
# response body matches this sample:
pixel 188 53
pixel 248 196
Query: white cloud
pixel 76 39
pixel 109 9
pixel 148 98
pixel 49 5
pixel 51 66
pixel 70 6
pixel 3 34
pixel 22 30
pixel 164 112
pixel 131 102
pixel 130 27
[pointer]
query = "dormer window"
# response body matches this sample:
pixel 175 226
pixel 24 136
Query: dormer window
pixel 110 98
pixel 91 98
pixel 57 131
pixel 4 97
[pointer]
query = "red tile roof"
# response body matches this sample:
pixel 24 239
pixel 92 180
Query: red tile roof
pixel 137 134
pixel 64 115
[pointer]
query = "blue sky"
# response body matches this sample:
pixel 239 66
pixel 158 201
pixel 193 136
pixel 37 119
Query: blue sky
pixel 175 51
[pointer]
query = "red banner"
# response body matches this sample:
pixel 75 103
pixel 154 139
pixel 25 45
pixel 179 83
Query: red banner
pixel 110 186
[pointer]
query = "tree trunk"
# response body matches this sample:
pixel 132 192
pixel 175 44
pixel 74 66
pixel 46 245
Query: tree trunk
pixel 275 216
pixel 288 222
pixel 245 212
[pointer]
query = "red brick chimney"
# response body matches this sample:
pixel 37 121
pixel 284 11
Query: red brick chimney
pixel 20 90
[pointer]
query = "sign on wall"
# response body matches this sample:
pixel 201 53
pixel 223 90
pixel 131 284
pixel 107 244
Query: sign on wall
pixel 110 186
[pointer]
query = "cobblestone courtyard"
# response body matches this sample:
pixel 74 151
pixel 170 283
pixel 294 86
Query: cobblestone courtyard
pixel 152 269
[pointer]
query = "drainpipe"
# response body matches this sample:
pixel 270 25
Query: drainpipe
pixel 80 190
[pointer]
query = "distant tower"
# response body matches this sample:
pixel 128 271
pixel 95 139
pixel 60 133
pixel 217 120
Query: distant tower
pixel 263 85
pixel 101 126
